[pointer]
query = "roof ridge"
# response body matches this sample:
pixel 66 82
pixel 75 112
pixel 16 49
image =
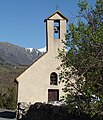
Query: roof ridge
pixel 57 11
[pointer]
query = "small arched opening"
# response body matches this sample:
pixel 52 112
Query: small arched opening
pixel 53 78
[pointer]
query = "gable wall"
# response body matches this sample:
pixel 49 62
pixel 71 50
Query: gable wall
pixel 37 78
pixel 56 16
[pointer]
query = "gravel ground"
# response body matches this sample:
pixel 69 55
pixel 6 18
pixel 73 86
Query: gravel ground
pixel 7 114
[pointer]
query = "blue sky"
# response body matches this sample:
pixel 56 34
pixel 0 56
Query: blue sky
pixel 22 21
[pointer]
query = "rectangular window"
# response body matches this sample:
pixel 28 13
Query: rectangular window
pixel 56 29
pixel 53 95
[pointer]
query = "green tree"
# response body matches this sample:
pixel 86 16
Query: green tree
pixel 7 98
pixel 9 101
pixel 2 95
pixel 84 60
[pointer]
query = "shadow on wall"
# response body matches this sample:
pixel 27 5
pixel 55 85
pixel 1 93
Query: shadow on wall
pixel 7 114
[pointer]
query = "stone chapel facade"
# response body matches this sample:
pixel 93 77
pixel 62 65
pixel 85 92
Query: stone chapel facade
pixel 39 83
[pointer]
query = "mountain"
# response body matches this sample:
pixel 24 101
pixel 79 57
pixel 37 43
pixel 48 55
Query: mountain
pixel 11 54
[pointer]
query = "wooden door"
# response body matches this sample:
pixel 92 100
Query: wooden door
pixel 53 95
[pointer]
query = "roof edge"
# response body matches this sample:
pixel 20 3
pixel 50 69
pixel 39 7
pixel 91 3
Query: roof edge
pixel 54 14
pixel 16 80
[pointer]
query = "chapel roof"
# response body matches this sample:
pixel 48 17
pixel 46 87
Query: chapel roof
pixel 57 12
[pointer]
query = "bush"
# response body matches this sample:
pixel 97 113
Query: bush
pixel 40 111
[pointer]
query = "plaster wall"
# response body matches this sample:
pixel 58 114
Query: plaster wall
pixel 35 81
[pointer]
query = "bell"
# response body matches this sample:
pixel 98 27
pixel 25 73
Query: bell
pixel 56 29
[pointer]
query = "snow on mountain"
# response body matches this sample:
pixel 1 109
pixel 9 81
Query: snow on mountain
pixel 42 49
pixel 29 49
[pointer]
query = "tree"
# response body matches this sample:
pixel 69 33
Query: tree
pixel 84 60
pixel 7 98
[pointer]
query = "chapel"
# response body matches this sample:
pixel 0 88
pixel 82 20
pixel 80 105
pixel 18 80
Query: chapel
pixel 40 82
